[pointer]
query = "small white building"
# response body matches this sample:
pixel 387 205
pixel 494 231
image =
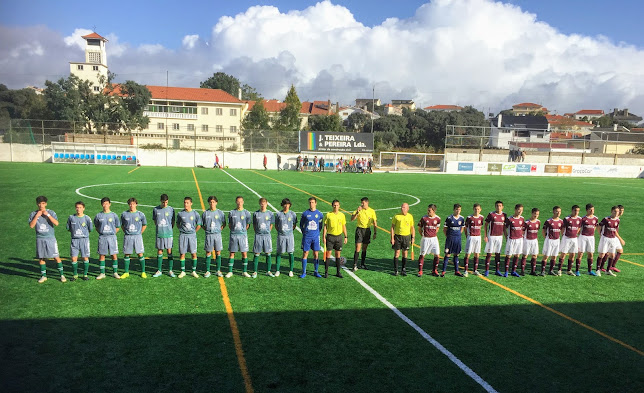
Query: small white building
pixel 506 131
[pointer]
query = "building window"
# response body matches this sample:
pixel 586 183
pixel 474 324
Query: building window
pixel 220 129
pixel 219 111
pixel 204 111
pixel 97 89
pixel 191 127
pixel 94 68
pixel 159 126
pixel 95 57
pixel 233 112
pixel 175 126
pixel 204 127
pixel 80 67
pixel 233 129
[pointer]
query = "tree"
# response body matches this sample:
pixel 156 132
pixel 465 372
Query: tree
pixel 133 99
pixel 358 121
pixel 289 119
pixel 223 81
pixel 250 94
pixel 257 118
pixel 21 104
pixel 325 123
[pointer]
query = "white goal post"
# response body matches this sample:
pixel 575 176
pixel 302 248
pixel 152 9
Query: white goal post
pixel 419 162
pixel 93 153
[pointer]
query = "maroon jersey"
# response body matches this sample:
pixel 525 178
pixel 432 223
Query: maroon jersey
pixel 553 228
pixel 609 227
pixel 473 225
pixel 429 225
pixel 588 225
pixel 572 226
pixel 515 225
pixel 531 229
pixel 497 222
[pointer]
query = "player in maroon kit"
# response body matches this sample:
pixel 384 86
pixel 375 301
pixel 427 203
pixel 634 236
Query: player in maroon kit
pixel 586 239
pixel 514 243
pixel 495 231
pixel 473 226
pixel 551 231
pixel 569 243
pixel 608 242
pixel 428 227
pixel 619 250
pixel 531 242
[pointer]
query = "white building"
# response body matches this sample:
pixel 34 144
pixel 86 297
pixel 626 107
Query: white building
pixel 94 68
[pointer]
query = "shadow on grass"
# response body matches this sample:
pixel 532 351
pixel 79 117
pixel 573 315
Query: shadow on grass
pixel 513 348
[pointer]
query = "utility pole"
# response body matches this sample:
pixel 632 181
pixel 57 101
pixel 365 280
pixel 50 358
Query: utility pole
pixel 373 105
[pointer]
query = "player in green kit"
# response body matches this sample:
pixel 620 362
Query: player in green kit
pixel 79 225
pixel 263 221
pixel 285 221
pixel 214 221
pixel 188 222
pixel 133 223
pixel 107 224
pixel 163 217
pixel 238 221
pixel 43 221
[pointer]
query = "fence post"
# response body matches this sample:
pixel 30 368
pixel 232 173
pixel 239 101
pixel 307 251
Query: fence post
pixel 10 141
pixel 42 149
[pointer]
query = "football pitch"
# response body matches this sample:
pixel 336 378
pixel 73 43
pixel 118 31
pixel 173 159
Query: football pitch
pixel 370 331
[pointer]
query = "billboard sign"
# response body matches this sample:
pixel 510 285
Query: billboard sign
pixel 341 142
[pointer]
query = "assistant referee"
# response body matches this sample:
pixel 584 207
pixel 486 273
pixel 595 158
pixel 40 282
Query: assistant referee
pixel 366 218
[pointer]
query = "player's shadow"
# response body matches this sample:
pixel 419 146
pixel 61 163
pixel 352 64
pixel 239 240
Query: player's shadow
pixel 21 267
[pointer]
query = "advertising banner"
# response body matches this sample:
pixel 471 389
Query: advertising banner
pixel 525 168
pixel 493 167
pixel 341 142
pixel 564 169
pixel 466 166
pixel 551 169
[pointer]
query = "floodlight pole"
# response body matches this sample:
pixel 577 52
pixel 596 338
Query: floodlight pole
pixel 373 105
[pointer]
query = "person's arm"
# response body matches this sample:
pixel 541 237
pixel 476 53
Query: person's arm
pixel 143 228
pixel 485 229
pixel 354 215
pixel 324 233
pixel 413 233
pixel 544 230
pixel 375 226
pixel 392 232
pixel 33 222
pixel 51 218
pixel 247 225
pixel 620 238
pixel 344 229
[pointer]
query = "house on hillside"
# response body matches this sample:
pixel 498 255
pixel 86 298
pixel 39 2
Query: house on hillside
pixel 528 108
pixel 347 111
pixel 443 108
pixel 393 110
pixel 364 102
pixel 589 114
pixel 506 131
pixel 308 108
pixel 409 104
pixel 624 115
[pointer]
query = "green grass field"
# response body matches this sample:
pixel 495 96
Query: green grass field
pixel 304 335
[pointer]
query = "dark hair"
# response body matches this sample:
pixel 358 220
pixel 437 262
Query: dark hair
pixel 575 207
pixel 212 198
pixel 262 199
pixel 313 199
pixel 239 197
pixel 497 202
pixel 364 199
pixel 614 207
pixel 132 200
pixel 518 205
pixel 105 199
pixel 80 203
pixel 476 205
pixel 164 197
pixel 187 199
pixel 432 206
pixel 589 205
pixel 334 201
pixel 457 205
pixel 286 201
pixel 535 209
pixel 41 198
pixel 620 206
pixel 555 208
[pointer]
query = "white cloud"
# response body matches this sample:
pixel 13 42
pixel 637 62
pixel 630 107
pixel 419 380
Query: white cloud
pixel 480 52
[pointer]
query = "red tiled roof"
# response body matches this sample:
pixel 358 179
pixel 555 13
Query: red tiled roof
pixel 561 121
pixel 445 107
pixel 94 35
pixel 527 105
pixel 188 94
pixel 590 112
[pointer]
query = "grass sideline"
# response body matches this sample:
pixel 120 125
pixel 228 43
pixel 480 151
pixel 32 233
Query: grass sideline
pixel 312 335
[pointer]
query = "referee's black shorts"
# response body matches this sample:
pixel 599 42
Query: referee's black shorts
pixel 334 242
pixel 401 242
pixel 363 235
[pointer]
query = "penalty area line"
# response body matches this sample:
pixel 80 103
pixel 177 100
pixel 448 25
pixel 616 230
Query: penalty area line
pixel 631 262
pixel 468 371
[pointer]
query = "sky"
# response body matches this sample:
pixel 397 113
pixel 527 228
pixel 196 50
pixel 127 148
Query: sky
pixel 566 55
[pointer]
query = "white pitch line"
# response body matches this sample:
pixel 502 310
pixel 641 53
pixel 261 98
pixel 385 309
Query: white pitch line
pixel 425 335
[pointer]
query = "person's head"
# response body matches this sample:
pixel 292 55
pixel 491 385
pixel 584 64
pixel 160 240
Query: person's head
pixel 518 209
pixel 164 200
pixel 535 213
pixel 574 210
pixel 132 203
pixel 212 201
pixel 476 208
pixel 335 205
pixel 431 209
pixel 80 207
pixel 262 204
pixel 404 209
pixel 621 210
pixel 457 209
pixel 556 212
pixel 498 205
pixel 187 203
pixel 106 203
pixel 364 202
pixel 286 204
pixel 614 211
pixel 239 201
pixel 313 202
pixel 41 201
pixel 590 209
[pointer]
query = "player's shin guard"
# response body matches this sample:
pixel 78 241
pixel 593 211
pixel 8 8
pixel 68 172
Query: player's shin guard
pixel 421 261
pixel 160 262
pixel 278 262
pixel 466 263
pixel 269 262
pixel 543 264
pixel 115 265
pixel 182 263
pixel 524 260
pixel 515 263
pixel 577 264
pixel 231 262
pixel 326 263
pixel 609 263
pixel 445 261
pixel 456 261
pixel 101 266
pixel 170 262
pixel 195 261
pixel 569 264
pixel 245 264
pixel 507 263
pixel 589 260
pixel 75 268
pixel 59 265
pixel 404 263
pixel 85 267
pixel 291 261
pixel 363 256
pixel 476 263
pixel 497 260
pixel 126 261
pixel 488 258
pixel 436 260
pixel 304 261
pixel 256 262
pixel 316 264
pixel 218 262
pixel 43 270
pixel 208 262
pixel 142 263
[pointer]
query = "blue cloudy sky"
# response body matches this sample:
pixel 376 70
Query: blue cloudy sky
pixel 566 55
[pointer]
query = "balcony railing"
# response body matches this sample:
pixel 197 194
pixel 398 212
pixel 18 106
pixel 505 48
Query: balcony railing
pixel 170 115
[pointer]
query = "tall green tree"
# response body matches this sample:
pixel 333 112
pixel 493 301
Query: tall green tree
pixel 223 81
pixel 289 119
pixel 257 118
pixel 133 99
pixel 326 123
pixel 250 94
pixel 358 122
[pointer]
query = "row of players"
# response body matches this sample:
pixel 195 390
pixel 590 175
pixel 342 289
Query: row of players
pixel 522 239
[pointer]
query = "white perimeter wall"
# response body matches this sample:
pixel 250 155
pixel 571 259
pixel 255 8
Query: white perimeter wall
pixel 539 169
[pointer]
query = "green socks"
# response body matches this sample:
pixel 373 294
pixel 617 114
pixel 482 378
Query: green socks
pixel 75 268
pixel 291 258
pixel 278 261
pixel 170 262
pixel 43 270
pixel 85 267
pixel 255 262
pixel 115 265
pixel 269 262
pixel 142 262
pixel 60 267
pixel 194 264
pixel 231 262
pixel 245 263
pixel 218 260
pixel 208 259
pixel 101 266
pixel 127 264
pixel 160 262
pixel 183 264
